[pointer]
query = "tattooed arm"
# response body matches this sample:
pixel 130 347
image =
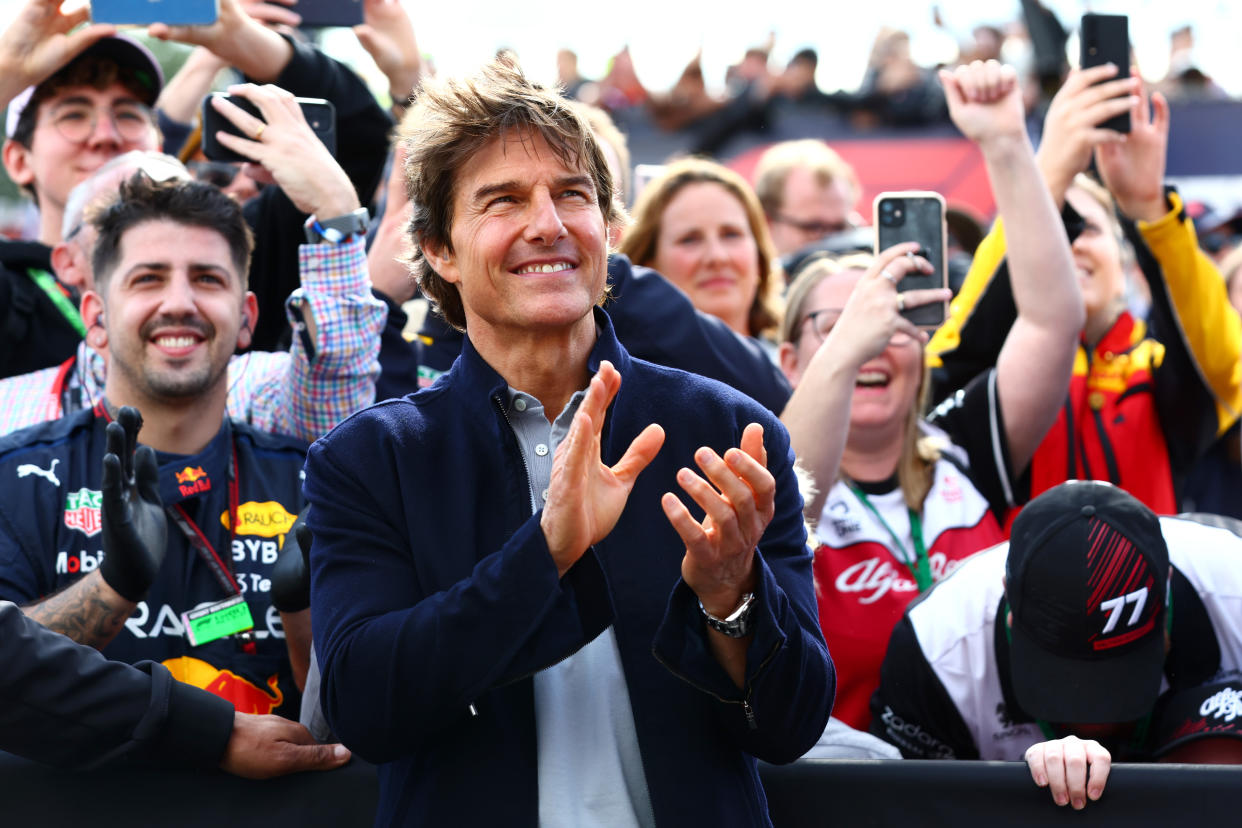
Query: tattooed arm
pixel 92 610
pixel 88 611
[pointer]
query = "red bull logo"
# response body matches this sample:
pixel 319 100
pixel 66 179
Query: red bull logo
pixel 191 473
pixel 82 511
pixel 245 696
pixel 193 480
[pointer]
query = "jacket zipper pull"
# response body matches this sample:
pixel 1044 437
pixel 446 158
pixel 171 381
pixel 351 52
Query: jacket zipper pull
pixel 751 723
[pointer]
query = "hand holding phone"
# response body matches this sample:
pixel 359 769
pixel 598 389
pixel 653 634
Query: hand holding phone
pixel 915 216
pixel 318 113
pixel 287 136
pixel 871 318
pixel 1105 38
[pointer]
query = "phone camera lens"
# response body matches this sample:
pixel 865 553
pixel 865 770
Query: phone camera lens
pixel 892 213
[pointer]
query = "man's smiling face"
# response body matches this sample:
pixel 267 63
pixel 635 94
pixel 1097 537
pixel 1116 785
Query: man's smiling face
pixel 530 246
pixel 176 311
pixel 54 164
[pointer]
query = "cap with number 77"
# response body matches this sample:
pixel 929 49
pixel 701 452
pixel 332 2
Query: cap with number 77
pixel 1087 581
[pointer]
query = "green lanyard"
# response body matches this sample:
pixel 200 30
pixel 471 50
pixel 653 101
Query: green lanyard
pixel 921 568
pixel 47 282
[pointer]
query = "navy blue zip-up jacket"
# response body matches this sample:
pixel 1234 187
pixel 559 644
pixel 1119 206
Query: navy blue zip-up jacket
pixel 50 537
pixel 434 601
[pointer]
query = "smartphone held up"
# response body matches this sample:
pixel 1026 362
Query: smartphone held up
pixel 915 216
pixel 145 12
pixel 320 114
pixel 1105 38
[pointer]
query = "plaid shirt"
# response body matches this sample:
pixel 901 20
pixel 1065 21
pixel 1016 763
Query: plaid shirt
pixel 291 392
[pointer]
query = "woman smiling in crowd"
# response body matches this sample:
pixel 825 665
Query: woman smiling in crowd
pixel 900 501
pixel 700 225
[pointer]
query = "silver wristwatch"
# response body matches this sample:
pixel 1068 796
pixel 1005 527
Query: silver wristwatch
pixel 337 229
pixel 738 624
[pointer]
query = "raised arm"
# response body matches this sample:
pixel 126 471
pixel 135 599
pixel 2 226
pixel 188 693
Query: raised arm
pixel 333 364
pixel 1191 314
pixel 388 35
pixel 134 530
pixel 182 96
pixel 980 317
pixel 39 41
pixel 238 39
pixel 818 413
pixel 1034 365
pixel 1071 127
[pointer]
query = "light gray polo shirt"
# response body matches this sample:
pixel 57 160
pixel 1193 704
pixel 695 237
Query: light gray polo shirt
pixel 590 768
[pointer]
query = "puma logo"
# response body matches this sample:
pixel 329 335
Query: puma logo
pixel 27 469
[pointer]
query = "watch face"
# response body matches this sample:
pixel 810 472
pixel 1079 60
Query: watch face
pixel 738 624
pixel 338 228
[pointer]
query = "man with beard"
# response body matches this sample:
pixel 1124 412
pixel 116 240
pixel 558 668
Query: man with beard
pixel 164 553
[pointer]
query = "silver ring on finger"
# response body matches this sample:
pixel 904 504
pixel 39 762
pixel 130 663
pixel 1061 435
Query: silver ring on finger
pixel 901 302
pixel 891 278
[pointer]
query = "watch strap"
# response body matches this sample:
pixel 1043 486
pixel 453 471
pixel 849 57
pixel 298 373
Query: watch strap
pixel 335 230
pixel 738 624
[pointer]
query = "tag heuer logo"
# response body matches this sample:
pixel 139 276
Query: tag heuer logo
pixel 82 511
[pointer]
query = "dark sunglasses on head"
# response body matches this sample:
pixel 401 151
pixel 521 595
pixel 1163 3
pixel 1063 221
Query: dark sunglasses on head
pixel 217 173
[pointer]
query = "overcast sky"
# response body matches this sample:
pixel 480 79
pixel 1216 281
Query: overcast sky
pixel 664 34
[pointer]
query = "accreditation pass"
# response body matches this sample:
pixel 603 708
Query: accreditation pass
pixel 205 624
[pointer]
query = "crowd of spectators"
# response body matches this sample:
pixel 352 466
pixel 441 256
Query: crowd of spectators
pixel 970 536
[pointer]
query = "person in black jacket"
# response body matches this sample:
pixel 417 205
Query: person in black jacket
pixel 65 704
pixel 74 101
pixel 362 128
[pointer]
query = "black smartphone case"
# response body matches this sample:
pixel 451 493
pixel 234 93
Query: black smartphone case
pixel 923 222
pixel 320 114
pixel 324 13
pixel 1105 38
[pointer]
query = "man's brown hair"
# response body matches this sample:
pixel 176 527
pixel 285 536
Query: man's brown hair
pixel 192 203
pixel 450 121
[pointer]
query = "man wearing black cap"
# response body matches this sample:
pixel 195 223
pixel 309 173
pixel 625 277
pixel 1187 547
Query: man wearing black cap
pixel 1201 725
pixel 1073 629
pixel 75 99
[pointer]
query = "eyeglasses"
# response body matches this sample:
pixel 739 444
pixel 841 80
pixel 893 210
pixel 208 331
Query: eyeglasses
pixel 823 320
pixel 76 120
pixel 818 229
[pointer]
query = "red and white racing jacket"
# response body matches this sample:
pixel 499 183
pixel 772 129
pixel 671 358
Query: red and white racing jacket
pixel 863 584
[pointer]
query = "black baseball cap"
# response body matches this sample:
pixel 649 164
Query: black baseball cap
pixel 1087 579
pixel 1211 710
